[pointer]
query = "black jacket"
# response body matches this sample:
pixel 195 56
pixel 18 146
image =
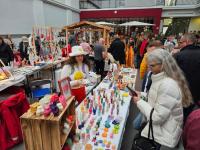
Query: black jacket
pixel 23 50
pixel 6 54
pixel 188 60
pixel 117 50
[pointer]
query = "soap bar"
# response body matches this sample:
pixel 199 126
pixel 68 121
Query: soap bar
pixel 104 134
pixel 105 129
pixel 34 106
pixel 60 107
pixel 125 94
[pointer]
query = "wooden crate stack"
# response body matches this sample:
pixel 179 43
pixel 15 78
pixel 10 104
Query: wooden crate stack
pixel 45 133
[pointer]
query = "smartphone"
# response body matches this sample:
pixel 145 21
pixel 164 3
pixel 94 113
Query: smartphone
pixel 132 91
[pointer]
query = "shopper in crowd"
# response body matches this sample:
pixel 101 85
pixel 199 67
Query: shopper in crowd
pixel 170 43
pixel 191 132
pixel 99 52
pixel 38 46
pixel 8 40
pixel 117 49
pixel 72 39
pixel 138 58
pixel 152 45
pixel 188 60
pixel 167 95
pixel 76 62
pixel 130 53
pixel 143 47
pixel 23 48
pixel 6 54
pixel 86 46
pixel 134 33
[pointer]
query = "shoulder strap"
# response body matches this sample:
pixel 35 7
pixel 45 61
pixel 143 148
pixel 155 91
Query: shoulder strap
pixel 151 126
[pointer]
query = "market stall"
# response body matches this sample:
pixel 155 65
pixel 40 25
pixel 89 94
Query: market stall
pixel 98 122
pixel 41 59
pixel 89 31
pixel 102 116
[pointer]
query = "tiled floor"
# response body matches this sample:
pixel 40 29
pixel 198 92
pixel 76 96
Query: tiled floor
pixel 129 131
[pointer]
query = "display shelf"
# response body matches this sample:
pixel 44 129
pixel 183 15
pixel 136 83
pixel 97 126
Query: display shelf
pixel 64 136
pixel 45 133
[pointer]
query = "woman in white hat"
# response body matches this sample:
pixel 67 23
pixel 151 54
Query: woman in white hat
pixel 76 62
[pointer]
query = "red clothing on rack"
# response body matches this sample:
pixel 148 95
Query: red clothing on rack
pixel 66 50
pixel 10 111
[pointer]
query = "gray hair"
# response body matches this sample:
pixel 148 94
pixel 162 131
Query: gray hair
pixel 189 37
pixel 172 70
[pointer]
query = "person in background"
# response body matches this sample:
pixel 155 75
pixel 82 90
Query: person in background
pixel 188 60
pixel 72 39
pixel 23 48
pixel 167 95
pixel 150 47
pixel 6 54
pixel 143 46
pixel 99 53
pixel 130 54
pixel 134 33
pixel 140 38
pixel 86 47
pixel 76 62
pixel 38 45
pixel 170 43
pixel 8 40
pixel 117 49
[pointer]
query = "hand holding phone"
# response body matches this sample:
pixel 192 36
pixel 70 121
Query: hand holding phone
pixel 132 91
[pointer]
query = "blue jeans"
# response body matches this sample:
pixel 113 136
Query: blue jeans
pixel 138 121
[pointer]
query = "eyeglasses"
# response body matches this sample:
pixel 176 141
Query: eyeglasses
pixel 153 65
pixel 180 42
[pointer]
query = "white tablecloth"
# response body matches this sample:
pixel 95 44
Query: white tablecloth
pixel 12 81
pixel 123 113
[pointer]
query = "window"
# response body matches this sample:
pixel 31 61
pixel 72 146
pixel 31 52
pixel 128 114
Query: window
pixel 170 2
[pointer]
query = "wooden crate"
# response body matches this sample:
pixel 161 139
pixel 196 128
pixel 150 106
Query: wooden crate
pixel 45 133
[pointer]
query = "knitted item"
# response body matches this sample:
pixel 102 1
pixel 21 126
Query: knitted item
pixel 54 109
pixel 78 75
pixel 54 98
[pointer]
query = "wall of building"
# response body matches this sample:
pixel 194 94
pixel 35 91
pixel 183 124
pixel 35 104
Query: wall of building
pixel 19 16
pixel 140 3
pixel 154 13
pixel 194 24
pixel 16 16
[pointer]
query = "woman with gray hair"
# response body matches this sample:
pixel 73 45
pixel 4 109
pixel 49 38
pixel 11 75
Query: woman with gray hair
pixel 168 94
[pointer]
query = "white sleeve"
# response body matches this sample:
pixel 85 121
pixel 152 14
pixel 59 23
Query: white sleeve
pixel 66 71
pixel 168 96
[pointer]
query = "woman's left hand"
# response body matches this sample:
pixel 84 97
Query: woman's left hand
pixel 136 98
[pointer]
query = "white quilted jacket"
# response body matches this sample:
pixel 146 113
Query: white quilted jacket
pixel 165 97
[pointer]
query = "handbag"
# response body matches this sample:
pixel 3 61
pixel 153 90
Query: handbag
pixel 142 143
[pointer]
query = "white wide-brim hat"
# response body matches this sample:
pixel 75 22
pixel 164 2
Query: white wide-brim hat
pixel 77 50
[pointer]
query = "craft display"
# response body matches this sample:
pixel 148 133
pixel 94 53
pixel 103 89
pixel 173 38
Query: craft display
pixel 49 104
pixel 100 115
pixel 45 45
pixel 4 71
pixel 89 31
pixel 49 123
